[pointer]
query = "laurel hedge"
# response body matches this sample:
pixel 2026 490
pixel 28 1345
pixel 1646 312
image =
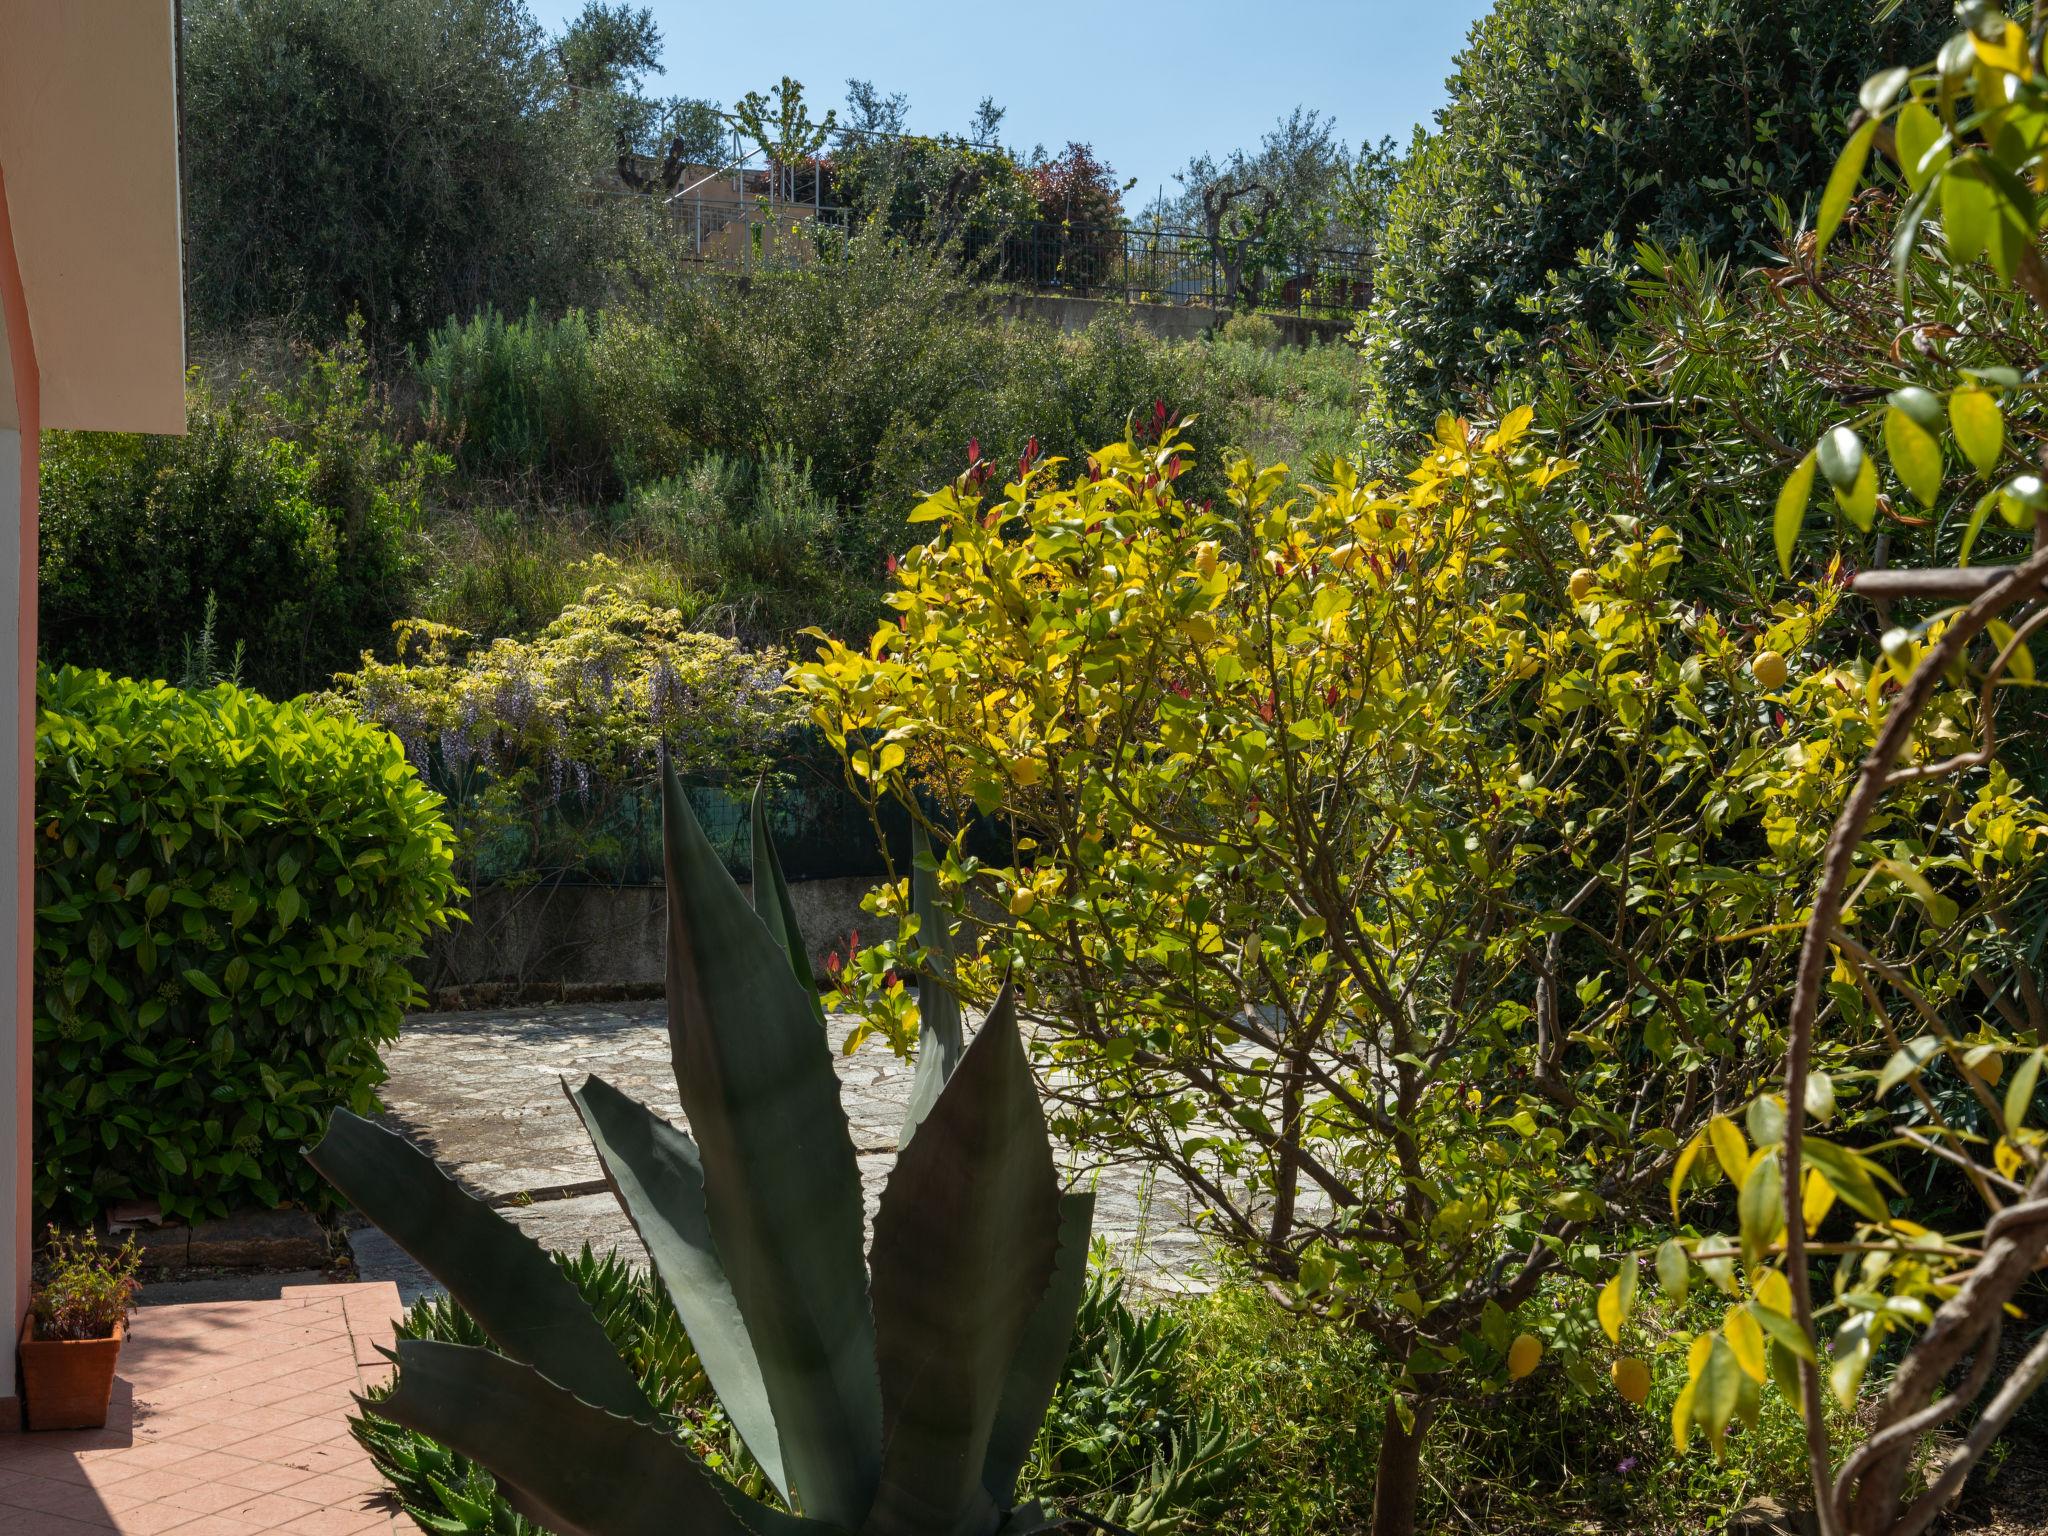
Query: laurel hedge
pixel 228 891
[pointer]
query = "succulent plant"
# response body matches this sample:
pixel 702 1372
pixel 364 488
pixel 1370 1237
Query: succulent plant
pixel 895 1397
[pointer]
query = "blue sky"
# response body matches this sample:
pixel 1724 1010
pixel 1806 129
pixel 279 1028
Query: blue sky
pixel 1146 86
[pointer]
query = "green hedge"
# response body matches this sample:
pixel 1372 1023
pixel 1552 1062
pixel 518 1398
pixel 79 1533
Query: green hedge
pixel 228 891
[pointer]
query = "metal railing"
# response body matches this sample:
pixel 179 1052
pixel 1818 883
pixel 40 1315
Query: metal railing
pixel 1126 263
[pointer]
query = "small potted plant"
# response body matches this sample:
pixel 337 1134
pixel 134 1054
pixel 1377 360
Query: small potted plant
pixel 77 1316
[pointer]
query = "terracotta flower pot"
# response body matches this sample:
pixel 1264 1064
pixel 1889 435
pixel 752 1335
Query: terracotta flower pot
pixel 68 1383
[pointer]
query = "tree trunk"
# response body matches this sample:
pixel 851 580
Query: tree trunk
pixel 1399 1481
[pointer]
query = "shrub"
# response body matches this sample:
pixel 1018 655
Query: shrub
pixel 518 398
pixel 228 892
pixel 1251 329
pixel 1317 796
pixel 407 159
pixel 935 189
pixel 1573 121
pixel 542 745
pixel 296 513
pixel 757 544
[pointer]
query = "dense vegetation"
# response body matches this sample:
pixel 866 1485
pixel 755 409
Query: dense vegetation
pixel 1396 773
pixel 1576 127
pixel 276 540
pixel 228 894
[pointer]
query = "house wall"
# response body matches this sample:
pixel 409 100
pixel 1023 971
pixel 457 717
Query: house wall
pixel 20 420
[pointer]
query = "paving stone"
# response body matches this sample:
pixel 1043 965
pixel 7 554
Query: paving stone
pixel 482 1091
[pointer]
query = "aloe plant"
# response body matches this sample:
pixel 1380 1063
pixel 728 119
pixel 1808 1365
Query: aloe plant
pixel 893 1397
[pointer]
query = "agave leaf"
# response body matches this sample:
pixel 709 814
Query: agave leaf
pixel 781 1186
pixel 965 1245
pixel 502 1277
pixel 772 902
pixel 657 1176
pixel 1034 1371
pixel 572 1468
pixel 940 1039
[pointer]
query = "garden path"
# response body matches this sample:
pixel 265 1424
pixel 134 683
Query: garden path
pixel 481 1092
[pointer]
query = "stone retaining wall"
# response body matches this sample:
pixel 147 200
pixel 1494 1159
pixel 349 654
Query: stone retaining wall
pixel 605 935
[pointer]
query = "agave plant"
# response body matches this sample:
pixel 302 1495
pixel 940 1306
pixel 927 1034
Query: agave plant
pixel 895 1397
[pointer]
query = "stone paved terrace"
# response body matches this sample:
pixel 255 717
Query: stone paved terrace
pixel 482 1092
pixel 229 1419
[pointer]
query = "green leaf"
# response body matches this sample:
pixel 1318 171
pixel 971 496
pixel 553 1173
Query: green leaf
pixel 1841 456
pixel 2019 1093
pixel 502 1277
pixel 1917 132
pixel 966 1241
pixel 1820 1096
pixel 939 1037
pixel 1761 1206
pixel 1906 1061
pixel 1618 1299
pixel 1905 240
pixel 1979 426
pixel 1674 1269
pixel 1766 1119
pixel 1978 514
pixel 781 1185
pixel 1034 1371
pixel 774 904
pixel 1851 1357
pixel 1968 209
pixel 200 982
pixel 1849 1176
pixel 1783 1330
pixel 657 1176
pixel 1842 183
pixel 1577 1205
pixel 1915 456
pixel 1859 503
pixel 1882 89
pixel 1718 1392
pixel 1792 498
pixel 561 1462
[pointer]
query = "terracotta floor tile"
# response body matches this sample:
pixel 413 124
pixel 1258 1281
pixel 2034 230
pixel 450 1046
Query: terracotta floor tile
pixel 149 1519
pixel 33 1524
pixel 231 1419
pixel 42 1496
pixel 269 1477
pixel 154 1483
pixel 270 1511
pixel 340 1522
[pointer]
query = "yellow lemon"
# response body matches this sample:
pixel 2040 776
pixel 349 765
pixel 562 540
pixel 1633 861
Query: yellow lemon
pixel 1631 1379
pixel 1523 1355
pixel 1769 668
pixel 1022 900
pixel 1205 557
pixel 1582 583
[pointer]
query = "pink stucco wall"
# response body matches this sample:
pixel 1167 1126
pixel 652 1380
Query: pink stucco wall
pixel 18 737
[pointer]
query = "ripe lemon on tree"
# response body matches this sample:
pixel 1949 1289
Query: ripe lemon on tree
pixel 1523 1355
pixel 1768 668
pixel 1631 1379
pixel 1581 583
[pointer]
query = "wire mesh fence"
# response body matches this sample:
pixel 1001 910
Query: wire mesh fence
pixel 1129 263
